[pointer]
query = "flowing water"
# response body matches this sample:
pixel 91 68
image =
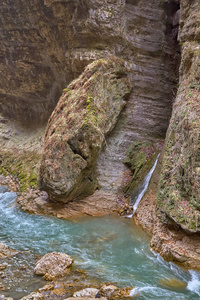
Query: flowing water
pixel 142 188
pixel 109 248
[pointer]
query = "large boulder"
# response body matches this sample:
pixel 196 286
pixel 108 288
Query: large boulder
pixel 53 264
pixel 86 113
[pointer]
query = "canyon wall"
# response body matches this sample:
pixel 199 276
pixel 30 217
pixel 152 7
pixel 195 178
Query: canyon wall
pixel 46 44
pixel 170 209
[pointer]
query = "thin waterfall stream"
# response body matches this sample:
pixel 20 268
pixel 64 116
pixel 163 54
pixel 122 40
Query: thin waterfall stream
pixel 143 188
pixel 110 249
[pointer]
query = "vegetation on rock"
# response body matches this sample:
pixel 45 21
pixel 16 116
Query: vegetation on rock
pixel 140 157
pixel 179 189
pixel 87 111
pixel 21 166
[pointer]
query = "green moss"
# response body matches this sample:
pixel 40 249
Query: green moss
pixel 140 157
pixel 22 167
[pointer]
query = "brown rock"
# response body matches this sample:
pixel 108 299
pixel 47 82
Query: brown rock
pixel 87 111
pixel 33 296
pixel 6 251
pixel 53 265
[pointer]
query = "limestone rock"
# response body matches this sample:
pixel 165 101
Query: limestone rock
pixel 107 291
pixel 53 265
pixel 33 296
pixel 88 292
pixel 179 188
pixel 6 251
pixel 86 113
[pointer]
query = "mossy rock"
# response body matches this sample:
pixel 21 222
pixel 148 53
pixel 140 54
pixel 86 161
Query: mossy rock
pixel 85 114
pixel 179 187
pixel 22 167
pixel 140 157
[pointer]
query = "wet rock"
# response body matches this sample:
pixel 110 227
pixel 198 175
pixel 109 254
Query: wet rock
pixel 89 292
pixel 107 291
pixel 6 251
pixel 3 267
pixel 33 296
pixel 86 113
pixel 121 293
pixel 53 265
pixel 173 283
pixel 2 297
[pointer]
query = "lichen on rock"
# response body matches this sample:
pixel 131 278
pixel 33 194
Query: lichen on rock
pixel 86 113
pixel 179 188
pixel 140 157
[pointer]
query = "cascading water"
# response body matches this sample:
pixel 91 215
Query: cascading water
pixel 142 188
pixel 110 249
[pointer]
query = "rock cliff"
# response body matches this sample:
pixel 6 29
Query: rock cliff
pixel 176 224
pixel 179 189
pixel 44 45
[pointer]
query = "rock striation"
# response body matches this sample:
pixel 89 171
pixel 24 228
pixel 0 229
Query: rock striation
pixel 175 221
pixel 147 111
pixel 178 198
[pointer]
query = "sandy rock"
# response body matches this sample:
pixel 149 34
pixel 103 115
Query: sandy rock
pixel 89 292
pixel 33 296
pixel 53 264
pixel 6 251
pixel 107 290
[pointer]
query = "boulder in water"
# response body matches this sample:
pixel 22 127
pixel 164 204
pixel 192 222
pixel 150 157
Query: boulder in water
pixel 53 265
pixel 6 251
pixel 172 283
pixel 89 292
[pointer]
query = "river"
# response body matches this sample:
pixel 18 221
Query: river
pixel 109 248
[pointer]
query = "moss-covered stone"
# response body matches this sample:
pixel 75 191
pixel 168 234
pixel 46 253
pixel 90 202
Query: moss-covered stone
pixel 140 157
pixel 87 111
pixel 22 167
pixel 179 188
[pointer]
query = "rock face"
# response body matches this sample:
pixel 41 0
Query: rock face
pixel 53 264
pixel 44 45
pixel 178 198
pixel 86 113
pixel 146 113
pixel 176 226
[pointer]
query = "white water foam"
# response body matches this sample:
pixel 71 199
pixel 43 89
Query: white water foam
pixel 194 283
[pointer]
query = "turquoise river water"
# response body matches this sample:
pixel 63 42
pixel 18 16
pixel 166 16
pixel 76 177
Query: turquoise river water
pixel 112 249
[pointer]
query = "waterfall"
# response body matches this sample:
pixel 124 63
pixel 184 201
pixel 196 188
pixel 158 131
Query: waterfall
pixel 143 187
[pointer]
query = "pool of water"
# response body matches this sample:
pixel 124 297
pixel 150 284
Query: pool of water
pixel 111 249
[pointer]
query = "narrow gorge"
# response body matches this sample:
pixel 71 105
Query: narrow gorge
pixel 92 92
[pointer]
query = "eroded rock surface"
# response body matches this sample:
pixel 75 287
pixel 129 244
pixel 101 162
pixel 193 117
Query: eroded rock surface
pixel 53 264
pixel 86 113
pixel 179 190
pixel 175 228
pixel 6 251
